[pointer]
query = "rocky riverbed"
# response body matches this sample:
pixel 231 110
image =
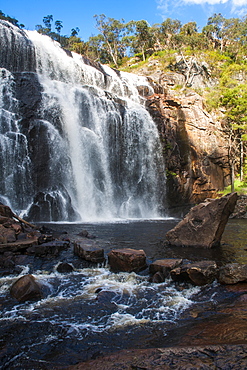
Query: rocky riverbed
pixel 143 317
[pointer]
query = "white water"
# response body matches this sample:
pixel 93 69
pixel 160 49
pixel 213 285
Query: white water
pixel 14 158
pixel 90 150
pixel 134 301
pixel 113 157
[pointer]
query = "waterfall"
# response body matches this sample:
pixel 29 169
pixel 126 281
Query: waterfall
pixel 76 141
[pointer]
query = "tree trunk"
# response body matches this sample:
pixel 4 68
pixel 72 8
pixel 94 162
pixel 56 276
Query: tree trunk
pixel 232 176
pixel 241 165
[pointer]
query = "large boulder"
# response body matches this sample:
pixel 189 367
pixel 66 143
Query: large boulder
pixel 204 225
pixel 233 273
pixel 127 260
pixel 25 289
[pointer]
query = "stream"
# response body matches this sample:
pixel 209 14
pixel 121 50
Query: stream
pixel 92 311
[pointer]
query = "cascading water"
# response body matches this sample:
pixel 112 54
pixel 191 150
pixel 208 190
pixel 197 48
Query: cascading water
pixel 80 141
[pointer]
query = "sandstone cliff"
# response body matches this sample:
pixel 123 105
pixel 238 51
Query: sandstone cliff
pixel 195 146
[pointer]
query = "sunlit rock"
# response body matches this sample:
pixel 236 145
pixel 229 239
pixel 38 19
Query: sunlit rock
pixel 204 225
pixel 233 273
pixel 127 260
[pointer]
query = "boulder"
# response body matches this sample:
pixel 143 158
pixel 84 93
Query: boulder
pixel 89 252
pixel 64 267
pixel 127 260
pixel 233 273
pixel 198 273
pixel 164 266
pixel 204 225
pixel 25 289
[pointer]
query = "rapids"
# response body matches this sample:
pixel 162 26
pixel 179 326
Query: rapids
pixel 93 311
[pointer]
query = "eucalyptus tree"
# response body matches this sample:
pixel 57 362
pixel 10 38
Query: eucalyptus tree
pixel 170 28
pixel 47 22
pixel 112 31
pixel 143 37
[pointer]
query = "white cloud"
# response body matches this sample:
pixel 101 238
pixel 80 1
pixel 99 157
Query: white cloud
pixel 235 3
pixel 169 7
pixel 200 2
pixel 164 4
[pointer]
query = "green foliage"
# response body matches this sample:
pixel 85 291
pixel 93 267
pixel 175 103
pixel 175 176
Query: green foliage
pixel 11 20
pixel 239 186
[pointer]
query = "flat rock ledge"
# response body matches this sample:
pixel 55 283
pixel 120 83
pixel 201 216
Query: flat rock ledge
pixel 204 225
pixel 127 260
pixel 199 357
pixel 89 251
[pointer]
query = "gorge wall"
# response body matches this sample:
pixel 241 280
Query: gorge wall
pixel 194 145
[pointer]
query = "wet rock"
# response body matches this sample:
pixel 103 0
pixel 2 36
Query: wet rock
pixel 4 220
pixel 164 266
pixel 204 225
pixel 52 248
pixel 199 273
pixel 233 273
pixel 157 278
pixel 85 234
pixel 64 267
pixel 127 260
pixel 25 289
pixel 7 235
pixel 188 357
pixel 44 238
pixel 18 245
pixel 5 211
pixel 89 252
pixel 105 296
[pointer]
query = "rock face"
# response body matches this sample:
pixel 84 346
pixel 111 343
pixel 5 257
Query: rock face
pixel 127 260
pixel 199 273
pixel 194 146
pixel 233 273
pixel 204 225
pixel 26 289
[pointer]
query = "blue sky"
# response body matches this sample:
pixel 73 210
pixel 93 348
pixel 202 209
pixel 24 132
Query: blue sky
pixel 79 13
